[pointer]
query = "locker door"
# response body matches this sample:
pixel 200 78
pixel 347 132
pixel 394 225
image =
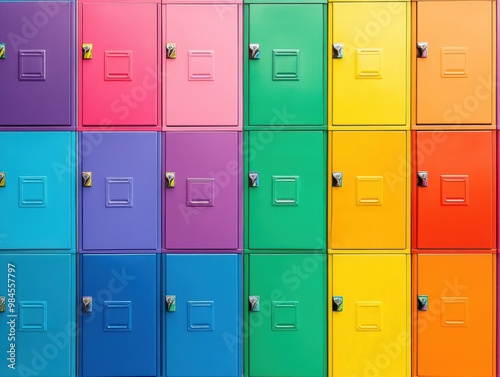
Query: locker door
pixel 454 79
pixel 374 319
pixel 455 330
pixel 370 74
pixel 202 88
pixel 287 329
pixel 119 327
pixel 287 208
pixel 38 324
pixel 286 83
pixel 120 78
pixel 37 192
pixel 202 206
pixel 120 209
pixel 455 201
pixel 35 68
pixel 205 323
pixel 368 204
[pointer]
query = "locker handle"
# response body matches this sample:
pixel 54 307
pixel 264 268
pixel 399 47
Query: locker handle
pixel 170 179
pixel 2 50
pixel 87 178
pixel 254 51
pixel 2 179
pixel 87 51
pixel 423 179
pixel 171 50
pixel 423 301
pixel 254 303
pixel 422 49
pixel 337 177
pixel 338 50
pixel 2 304
pixel 170 303
pixel 338 303
pixel 253 179
pixel 87 304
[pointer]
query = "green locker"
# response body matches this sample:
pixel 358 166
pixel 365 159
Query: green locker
pixel 285 192
pixel 285 66
pixel 285 315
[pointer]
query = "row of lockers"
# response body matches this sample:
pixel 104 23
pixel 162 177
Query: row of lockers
pixel 185 315
pixel 127 183
pixel 161 75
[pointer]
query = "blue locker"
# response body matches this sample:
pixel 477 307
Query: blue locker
pixel 202 333
pixel 37 191
pixel 118 315
pixel 38 327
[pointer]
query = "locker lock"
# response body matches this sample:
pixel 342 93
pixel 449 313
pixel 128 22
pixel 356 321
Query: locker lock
pixel 338 303
pixel 87 50
pixel 87 304
pixel 2 50
pixel 2 179
pixel 170 303
pixel 171 50
pixel 338 50
pixel 254 51
pixel 253 179
pixel 2 304
pixel 337 179
pixel 423 301
pixel 422 50
pixel 254 303
pixel 423 179
pixel 87 179
pixel 170 179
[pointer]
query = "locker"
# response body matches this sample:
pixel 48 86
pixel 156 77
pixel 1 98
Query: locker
pixel 202 191
pixel 285 190
pixel 454 317
pixel 370 64
pixel 285 69
pixel 118 315
pixel 455 190
pixel 120 201
pixel 203 319
pixel 369 190
pixel 369 319
pixel 38 315
pixel 285 309
pixel 119 66
pixel 203 69
pixel 454 62
pixel 37 191
pixel 36 65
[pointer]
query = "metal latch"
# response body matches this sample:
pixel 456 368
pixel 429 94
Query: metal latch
pixel 253 179
pixel 170 303
pixel 338 50
pixel 338 303
pixel 170 179
pixel 171 51
pixel 2 179
pixel 254 51
pixel 87 50
pixel 87 179
pixel 423 301
pixel 337 179
pixel 423 179
pixel 254 303
pixel 87 304
pixel 422 49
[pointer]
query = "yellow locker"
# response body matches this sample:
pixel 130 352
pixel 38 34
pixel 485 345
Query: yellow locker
pixel 369 320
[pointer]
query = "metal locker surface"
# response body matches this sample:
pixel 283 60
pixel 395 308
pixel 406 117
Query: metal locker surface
pixel 202 88
pixel 369 207
pixel 202 333
pixel 285 315
pixel 202 203
pixel 119 73
pixel 38 323
pixel 37 191
pixel 118 308
pixel 286 80
pixel 287 208
pixel 37 65
pixel 121 209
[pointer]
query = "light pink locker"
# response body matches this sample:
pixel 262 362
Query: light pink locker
pixel 119 81
pixel 201 66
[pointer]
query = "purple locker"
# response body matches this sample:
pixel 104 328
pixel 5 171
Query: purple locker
pixel 202 191
pixel 120 193
pixel 37 64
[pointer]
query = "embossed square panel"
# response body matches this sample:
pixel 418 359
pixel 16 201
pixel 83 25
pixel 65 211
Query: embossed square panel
pixel 117 316
pixel 200 316
pixel 368 63
pixel 455 311
pixel 285 190
pixel 201 65
pixel 284 315
pixel 120 192
pixel 118 65
pixel 369 316
pixel 453 62
pixel 455 190
pixel 286 64
pixel 33 192
pixel 32 65
pixel 369 190
pixel 200 192
pixel 32 315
